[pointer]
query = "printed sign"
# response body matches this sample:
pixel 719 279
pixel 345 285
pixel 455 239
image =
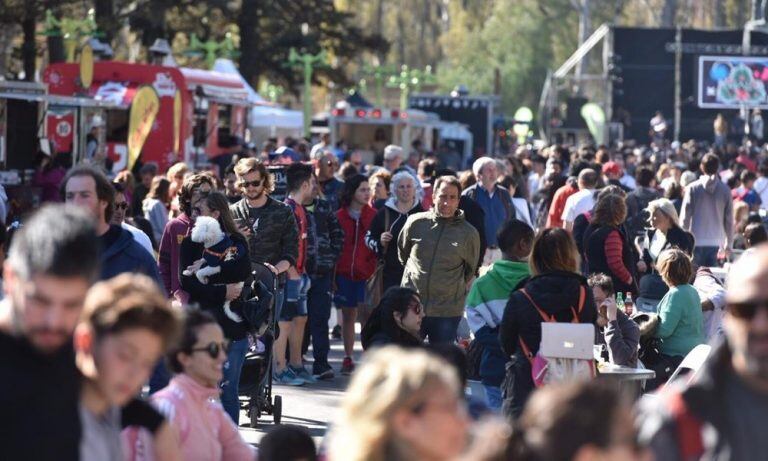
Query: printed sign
pixel 732 82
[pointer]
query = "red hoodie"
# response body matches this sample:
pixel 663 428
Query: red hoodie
pixel 357 261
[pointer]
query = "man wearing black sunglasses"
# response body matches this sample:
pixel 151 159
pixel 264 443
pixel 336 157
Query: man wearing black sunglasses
pixel 722 411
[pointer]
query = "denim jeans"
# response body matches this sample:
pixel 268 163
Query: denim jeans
pixel 493 397
pixel 319 310
pixel 705 256
pixel 295 302
pixel 160 377
pixel 231 379
pixel 440 330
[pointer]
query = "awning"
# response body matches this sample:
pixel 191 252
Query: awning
pixel 216 86
pixel 265 116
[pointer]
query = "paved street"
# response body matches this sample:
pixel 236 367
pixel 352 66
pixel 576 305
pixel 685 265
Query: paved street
pixel 311 406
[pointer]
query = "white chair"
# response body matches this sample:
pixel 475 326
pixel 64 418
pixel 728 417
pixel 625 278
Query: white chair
pixel 693 362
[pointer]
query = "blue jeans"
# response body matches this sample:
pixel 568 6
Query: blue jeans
pixel 705 256
pixel 295 303
pixel 440 330
pixel 493 397
pixel 160 377
pixel 231 379
pixel 319 310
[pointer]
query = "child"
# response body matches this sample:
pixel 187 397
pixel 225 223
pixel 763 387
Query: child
pixel 125 328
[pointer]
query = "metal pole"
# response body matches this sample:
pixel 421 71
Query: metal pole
pixel 678 59
pixel 307 96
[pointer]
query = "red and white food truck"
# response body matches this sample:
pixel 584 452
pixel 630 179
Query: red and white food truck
pixel 213 108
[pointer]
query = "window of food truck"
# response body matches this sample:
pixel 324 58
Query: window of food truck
pixel 225 125
pixel 117 126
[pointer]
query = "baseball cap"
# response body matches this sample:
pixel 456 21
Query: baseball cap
pixel 611 168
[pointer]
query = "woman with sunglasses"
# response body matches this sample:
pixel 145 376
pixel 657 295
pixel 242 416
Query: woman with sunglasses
pixel 665 233
pixel 396 320
pixel 222 287
pixel 191 402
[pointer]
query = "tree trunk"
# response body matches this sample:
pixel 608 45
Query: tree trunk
pixel 248 22
pixel 718 15
pixel 28 48
pixel 669 13
pixel 105 19
pixel 401 32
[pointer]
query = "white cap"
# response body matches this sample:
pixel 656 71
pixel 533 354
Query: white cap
pixel 97 121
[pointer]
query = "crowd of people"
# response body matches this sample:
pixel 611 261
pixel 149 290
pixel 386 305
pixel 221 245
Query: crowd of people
pixel 141 282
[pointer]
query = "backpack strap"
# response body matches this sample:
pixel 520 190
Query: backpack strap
pixel 687 426
pixel 544 316
pixel 582 300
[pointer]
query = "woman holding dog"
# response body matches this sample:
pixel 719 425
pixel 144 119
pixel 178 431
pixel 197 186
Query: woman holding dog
pixel 213 296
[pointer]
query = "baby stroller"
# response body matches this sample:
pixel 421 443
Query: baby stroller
pixel 256 376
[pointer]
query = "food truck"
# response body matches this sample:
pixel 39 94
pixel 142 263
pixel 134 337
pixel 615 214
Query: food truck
pixel 201 115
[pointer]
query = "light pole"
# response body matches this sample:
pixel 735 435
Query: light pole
pixel 307 62
pixel 410 79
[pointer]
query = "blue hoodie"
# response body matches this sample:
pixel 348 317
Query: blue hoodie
pixel 127 255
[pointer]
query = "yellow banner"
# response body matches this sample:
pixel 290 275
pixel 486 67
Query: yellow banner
pixel 176 121
pixel 144 109
pixel 86 66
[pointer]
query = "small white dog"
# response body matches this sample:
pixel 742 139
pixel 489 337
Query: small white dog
pixel 219 249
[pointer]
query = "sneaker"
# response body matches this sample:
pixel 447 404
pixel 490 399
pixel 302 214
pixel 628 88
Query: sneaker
pixel 347 366
pixel 336 332
pixel 288 378
pixel 302 374
pixel 323 372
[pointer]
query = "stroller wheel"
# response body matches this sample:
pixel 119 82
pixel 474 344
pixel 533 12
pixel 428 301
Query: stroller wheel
pixel 254 412
pixel 277 410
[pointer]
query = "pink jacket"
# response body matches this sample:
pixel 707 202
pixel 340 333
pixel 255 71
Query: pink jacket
pixel 206 432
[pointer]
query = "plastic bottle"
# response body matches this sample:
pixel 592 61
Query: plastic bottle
pixel 620 300
pixel 629 305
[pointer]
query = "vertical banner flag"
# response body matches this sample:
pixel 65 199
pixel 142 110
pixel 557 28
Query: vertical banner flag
pixel 144 109
pixel 86 66
pixel 176 121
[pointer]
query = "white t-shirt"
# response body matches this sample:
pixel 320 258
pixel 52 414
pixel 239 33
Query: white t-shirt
pixel 140 237
pixel 761 187
pixel 578 203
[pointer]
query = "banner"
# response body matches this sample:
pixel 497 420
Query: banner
pixel 86 66
pixel 595 118
pixel 732 82
pixel 144 109
pixel 176 122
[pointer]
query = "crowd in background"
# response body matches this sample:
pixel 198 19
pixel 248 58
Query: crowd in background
pixel 424 255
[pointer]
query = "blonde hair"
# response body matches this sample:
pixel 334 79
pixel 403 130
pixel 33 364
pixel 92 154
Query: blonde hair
pixel 665 206
pixel 391 379
pixel 179 169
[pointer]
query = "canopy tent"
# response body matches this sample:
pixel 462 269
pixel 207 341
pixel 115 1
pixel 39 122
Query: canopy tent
pixel 264 114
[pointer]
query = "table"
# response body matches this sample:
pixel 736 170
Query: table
pixel 629 380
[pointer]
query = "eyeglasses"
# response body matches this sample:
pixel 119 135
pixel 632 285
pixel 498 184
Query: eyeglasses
pixel 121 206
pixel 416 307
pixel 256 183
pixel 213 349
pixel 746 310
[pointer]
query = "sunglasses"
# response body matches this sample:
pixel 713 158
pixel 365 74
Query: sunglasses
pixel 121 206
pixel 256 183
pixel 416 307
pixel 746 310
pixel 213 349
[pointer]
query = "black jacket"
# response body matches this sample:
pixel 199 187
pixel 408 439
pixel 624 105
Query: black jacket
pixel 211 296
pixel 274 234
pixel 475 215
pixel 637 216
pixel 555 293
pixel 676 238
pixel 326 238
pixel 393 269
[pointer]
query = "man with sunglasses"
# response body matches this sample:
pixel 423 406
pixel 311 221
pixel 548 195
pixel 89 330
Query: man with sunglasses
pixel 325 168
pixel 721 413
pixel 120 216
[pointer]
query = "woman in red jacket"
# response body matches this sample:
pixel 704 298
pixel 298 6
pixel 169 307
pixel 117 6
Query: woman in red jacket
pixel 357 262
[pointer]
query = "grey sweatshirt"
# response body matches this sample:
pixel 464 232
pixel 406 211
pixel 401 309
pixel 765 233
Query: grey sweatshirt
pixel 707 212
pixel 622 336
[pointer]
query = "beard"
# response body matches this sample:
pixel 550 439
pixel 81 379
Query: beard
pixel 255 195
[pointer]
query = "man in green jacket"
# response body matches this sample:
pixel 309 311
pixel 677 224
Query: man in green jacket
pixel 488 298
pixel 439 250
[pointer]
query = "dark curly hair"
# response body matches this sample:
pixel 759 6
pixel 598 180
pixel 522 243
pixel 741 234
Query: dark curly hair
pixel 350 187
